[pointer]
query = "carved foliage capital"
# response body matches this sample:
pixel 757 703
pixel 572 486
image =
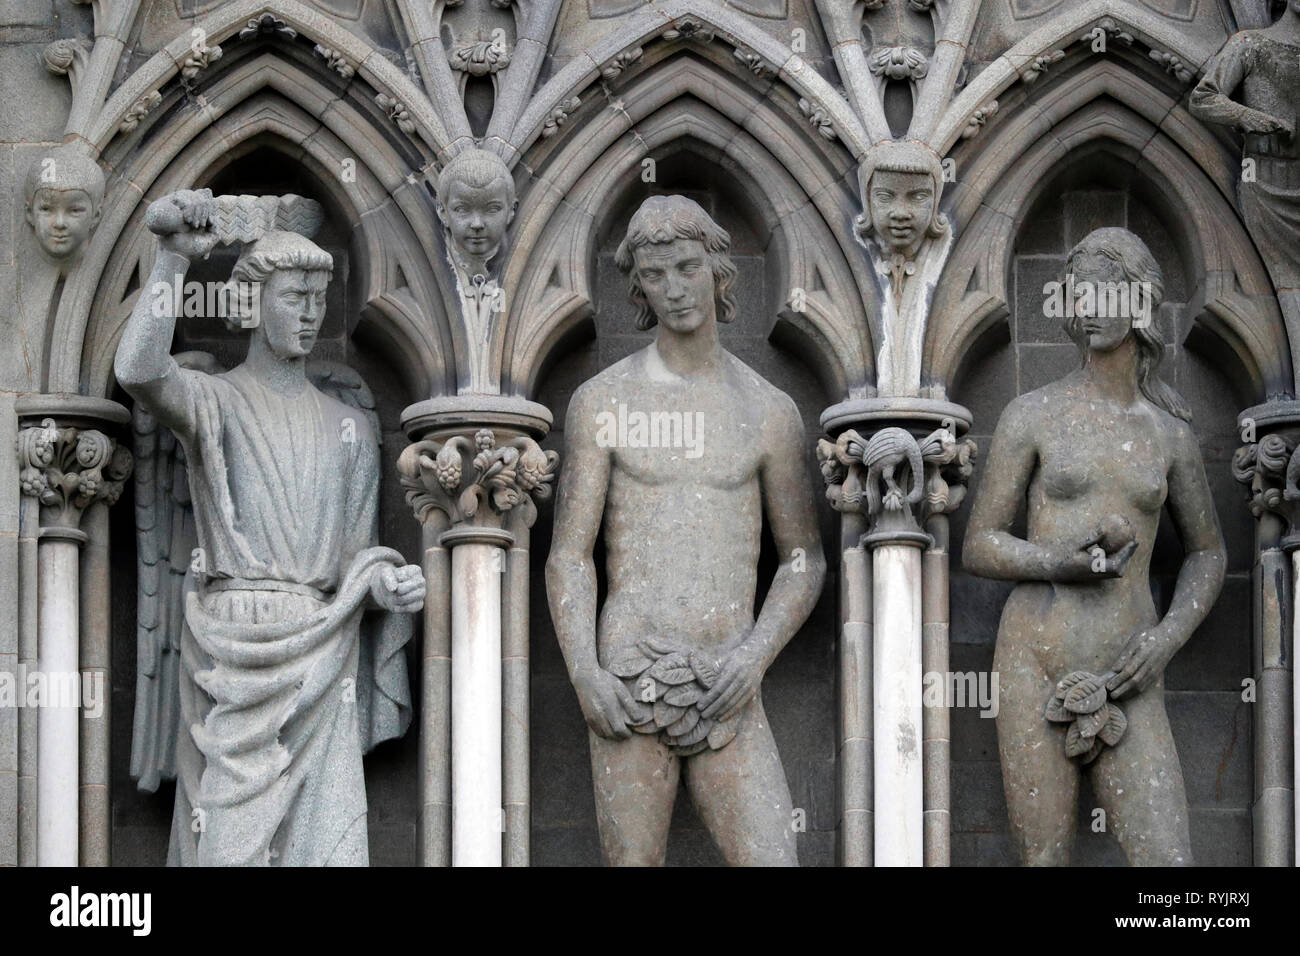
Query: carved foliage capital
pixel 476 480
pixel 886 476
pixel 67 469
pixel 1270 468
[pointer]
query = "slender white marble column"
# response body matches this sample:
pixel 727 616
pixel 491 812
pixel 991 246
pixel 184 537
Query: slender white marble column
pixel 67 467
pixel 477 563
pixel 897 686
pixel 471 474
pixel 882 478
pixel 58 719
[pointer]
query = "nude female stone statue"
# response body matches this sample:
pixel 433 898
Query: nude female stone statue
pixel 1081 649
pixel 669 676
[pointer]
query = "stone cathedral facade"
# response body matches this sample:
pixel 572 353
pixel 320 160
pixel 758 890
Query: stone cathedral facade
pixel 555 432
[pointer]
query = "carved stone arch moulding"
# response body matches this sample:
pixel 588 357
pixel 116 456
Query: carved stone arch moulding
pixel 362 62
pixel 1020 160
pixel 688 24
pixel 1125 25
pixel 278 100
pixel 800 192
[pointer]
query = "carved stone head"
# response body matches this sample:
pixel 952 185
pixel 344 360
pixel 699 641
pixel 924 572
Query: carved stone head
pixel 63 192
pixel 291 274
pixel 1124 288
pixel 676 257
pixel 476 202
pixel 1117 285
pixel 900 182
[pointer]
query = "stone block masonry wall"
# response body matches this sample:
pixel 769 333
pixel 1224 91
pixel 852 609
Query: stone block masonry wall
pixel 1211 723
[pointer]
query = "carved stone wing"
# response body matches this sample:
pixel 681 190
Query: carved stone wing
pixel 346 384
pixel 165 543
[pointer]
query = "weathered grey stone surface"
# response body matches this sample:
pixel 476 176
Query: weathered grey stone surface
pixel 670 689
pixel 278 693
pixel 1042 120
pixel 1081 643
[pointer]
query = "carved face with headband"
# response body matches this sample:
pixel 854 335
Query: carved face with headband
pixel 900 182
pixel 63 191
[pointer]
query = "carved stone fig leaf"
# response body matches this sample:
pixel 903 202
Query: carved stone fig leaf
pixel 672 683
pixel 1081 700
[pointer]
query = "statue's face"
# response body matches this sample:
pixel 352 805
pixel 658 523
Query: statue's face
pixel 677 279
pixel 293 308
pixel 478 217
pixel 1103 331
pixel 902 208
pixel 62 220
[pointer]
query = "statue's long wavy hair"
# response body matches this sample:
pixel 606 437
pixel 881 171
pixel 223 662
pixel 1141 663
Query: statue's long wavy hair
pixel 1133 256
pixel 665 218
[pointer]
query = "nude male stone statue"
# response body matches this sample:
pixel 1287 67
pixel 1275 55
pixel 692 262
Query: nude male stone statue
pixel 669 676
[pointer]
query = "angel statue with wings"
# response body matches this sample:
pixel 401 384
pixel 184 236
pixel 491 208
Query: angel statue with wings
pixel 262 678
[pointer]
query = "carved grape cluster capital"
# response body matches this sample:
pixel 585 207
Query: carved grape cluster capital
pixel 476 480
pixel 67 469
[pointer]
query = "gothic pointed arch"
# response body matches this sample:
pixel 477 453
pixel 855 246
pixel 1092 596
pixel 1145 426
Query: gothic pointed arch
pixel 797 189
pixel 343 145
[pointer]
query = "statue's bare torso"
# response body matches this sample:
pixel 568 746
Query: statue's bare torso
pixel 682 524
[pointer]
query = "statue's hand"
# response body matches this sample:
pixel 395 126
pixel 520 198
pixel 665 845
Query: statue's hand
pixel 1142 661
pixel 606 702
pixel 180 220
pixel 1256 121
pixel 1091 562
pixel 398 589
pixel 739 680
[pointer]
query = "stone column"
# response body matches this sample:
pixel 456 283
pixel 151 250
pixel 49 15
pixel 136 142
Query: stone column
pixel 1266 464
pixel 906 470
pixel 67 466
pixel 855 694
pixel 472 473
pixel 476 806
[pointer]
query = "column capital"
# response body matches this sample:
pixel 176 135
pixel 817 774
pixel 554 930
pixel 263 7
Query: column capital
pixel 66 465
pixel 1269 466
pixel 904 471
pixel 476 460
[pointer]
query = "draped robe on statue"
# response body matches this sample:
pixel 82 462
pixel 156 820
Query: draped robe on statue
pixel 1266 71
pixel 280 691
